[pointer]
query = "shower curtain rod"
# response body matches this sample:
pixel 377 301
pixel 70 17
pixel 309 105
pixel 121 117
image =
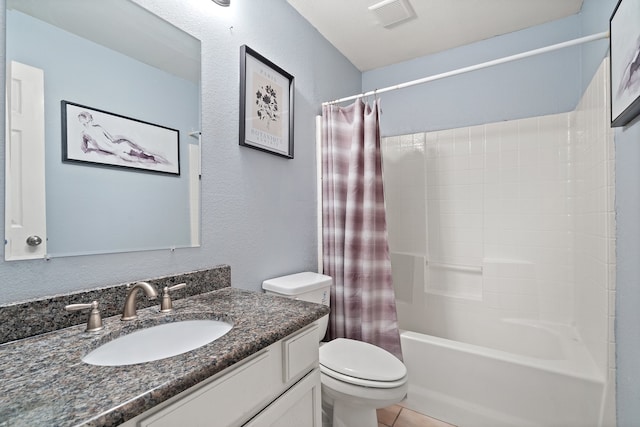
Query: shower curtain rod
pixel 487 64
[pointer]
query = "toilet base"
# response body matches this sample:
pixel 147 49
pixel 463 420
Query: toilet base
pixel 340 414
pixel 346 405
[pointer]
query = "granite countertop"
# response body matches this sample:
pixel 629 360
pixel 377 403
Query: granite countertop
pixel 44 381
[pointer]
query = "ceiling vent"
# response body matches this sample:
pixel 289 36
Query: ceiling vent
pixel 392 12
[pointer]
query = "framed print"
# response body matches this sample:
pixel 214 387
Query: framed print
pixel 266 105
pixel 98 137
pixel 624 48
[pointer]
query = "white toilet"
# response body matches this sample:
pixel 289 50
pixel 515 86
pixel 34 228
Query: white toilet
pixel 357 377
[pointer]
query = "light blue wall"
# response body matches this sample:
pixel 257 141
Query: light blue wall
pixel 258 210
pixel 627 329
pixel 594 18
pixel 503 92
pixel 628 274
pixel 80 198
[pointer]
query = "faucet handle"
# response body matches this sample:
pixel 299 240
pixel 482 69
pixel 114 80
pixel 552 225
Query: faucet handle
pixel 166 306
pixel 94 323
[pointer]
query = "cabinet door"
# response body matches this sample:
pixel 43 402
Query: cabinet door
pixel 300 406
pixel 228 400
pixel 300 353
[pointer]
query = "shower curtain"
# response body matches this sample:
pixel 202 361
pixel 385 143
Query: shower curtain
pixel 355 247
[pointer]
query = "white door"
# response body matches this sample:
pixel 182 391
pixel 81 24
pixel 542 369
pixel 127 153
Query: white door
pixel 194 190
pixel 25 206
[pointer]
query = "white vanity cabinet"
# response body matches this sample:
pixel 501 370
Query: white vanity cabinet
pixel 277 386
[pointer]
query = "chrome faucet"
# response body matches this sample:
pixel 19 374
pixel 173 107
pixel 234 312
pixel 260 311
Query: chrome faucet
pixel 129 312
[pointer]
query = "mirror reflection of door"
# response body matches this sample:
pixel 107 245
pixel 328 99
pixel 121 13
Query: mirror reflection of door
pixel 144 68
pixel 25 206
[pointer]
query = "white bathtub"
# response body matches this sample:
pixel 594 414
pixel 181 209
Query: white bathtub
pixel 522 374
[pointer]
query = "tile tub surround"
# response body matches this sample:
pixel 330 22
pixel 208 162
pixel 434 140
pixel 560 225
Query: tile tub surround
pixel 34 317
pixel 44 381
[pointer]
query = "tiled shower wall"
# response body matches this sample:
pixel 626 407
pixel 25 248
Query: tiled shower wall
pixel 516 216
pixel 497 206
pixel 593 193
pixel 491 211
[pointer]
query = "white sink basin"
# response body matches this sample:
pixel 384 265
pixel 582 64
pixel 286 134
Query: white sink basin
pixel 157 342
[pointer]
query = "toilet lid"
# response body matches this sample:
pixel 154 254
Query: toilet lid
pixel 361 360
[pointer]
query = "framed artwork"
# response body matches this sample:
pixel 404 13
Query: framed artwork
pixel 624 48
pixel 266 105
pixel 98 137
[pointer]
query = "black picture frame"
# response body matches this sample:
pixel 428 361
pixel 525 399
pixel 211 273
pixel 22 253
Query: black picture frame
pixel 624 48
pixel 97 137
pixel 266 105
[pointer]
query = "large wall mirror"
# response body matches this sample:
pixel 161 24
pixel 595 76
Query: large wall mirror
pixel 117 57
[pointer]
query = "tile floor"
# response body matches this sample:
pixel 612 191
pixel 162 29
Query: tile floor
pixel 399 416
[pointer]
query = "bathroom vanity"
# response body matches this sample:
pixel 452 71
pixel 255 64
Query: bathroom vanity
pixel 264 372
pixel 279 385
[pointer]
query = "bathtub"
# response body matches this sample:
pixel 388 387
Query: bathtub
pixel 524 373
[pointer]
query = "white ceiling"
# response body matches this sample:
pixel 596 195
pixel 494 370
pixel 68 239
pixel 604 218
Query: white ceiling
pixel 439 25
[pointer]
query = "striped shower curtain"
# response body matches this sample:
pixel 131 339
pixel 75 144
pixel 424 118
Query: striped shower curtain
pixel 355 247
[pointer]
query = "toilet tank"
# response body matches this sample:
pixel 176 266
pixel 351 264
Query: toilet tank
pixel 307 286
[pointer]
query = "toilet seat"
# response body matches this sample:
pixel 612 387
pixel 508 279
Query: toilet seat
pixel 362 382
pixel 360 363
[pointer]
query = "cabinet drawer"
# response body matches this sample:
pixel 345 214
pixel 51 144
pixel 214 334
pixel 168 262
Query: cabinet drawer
pixel 300 353
pixel 228 400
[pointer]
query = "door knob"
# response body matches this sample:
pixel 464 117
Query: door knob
pixel 34 240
